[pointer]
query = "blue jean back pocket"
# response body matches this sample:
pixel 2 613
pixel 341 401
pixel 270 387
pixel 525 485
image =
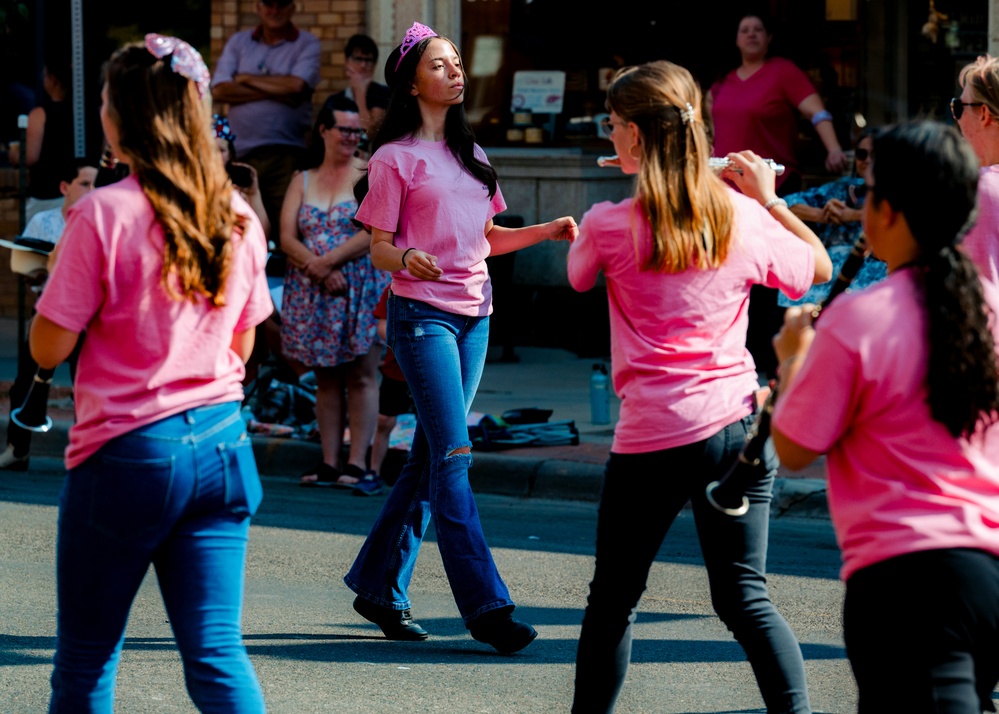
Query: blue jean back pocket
pixel 128 497
pixel 243 491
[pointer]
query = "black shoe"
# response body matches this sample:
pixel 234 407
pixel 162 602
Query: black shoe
pixel 502 631
pixel 396 624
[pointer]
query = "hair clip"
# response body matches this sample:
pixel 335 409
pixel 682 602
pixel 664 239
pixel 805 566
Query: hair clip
pixel 185 60
pixel 222 128
pixel 413 36
pixel 687 115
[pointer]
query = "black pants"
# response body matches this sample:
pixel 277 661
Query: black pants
pixel 642 495
pixel 922 632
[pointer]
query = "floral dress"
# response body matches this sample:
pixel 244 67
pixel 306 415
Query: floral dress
pixel 838 239
pixel 320 329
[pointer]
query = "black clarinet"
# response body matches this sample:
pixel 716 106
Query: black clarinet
pixel 728 494
pixel 31 415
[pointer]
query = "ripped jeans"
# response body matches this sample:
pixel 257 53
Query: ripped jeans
pixel 441 355
pixel 177 494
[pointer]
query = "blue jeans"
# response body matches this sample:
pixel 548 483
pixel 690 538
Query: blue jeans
pixel 179 494
pixel 642 495
pixel 441 356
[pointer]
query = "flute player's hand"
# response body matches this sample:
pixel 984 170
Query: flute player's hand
pixel 751 175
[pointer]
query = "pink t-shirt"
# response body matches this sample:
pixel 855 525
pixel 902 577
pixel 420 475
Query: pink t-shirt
pixel 678 341
pixel 418 191
pixel 760 113
pixel 982 242
pixel 145 356
pixel 898 481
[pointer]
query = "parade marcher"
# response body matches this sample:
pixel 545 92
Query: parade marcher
pixel 165 271
pixel 429 198
pixel 679 260
pixel 898 386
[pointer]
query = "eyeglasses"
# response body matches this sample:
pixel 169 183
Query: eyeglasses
pixel 861 154
pixel 279 3
pixel 349 130
pixel 957 107
pixel 606 125
pixel 362 59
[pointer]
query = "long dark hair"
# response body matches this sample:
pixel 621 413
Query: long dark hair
pixel 403 119
pixel 940 207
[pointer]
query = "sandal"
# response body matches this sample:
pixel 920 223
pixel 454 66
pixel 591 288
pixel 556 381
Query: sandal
pixel 322 474
pixel 352 472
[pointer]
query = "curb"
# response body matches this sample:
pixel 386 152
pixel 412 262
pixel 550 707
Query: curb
pixel 503 475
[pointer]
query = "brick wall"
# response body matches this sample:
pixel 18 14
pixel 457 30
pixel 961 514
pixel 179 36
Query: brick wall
pixel 10 223
pixel 332 21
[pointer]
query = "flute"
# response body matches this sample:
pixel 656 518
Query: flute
pixel 716 163
pixel 728 494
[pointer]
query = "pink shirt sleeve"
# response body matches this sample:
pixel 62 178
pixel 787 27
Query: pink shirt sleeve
pixel 585 262
pixel 795 83
pixel 386 196
pixel 826 384
pixel 74 293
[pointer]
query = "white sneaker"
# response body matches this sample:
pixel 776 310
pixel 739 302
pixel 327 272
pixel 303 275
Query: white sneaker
pixel 9 462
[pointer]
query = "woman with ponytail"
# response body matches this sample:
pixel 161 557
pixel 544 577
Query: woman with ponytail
pixel 165 272
pixel 899 387
pixel 679 260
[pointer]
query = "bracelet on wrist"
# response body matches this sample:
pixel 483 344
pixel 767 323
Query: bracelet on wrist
pixel 775 201
pixel 404 254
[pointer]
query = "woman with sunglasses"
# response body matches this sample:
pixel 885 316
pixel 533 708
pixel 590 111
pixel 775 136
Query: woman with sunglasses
pixel 833 211
pixel 679 259
pixel 429 197
pixel 164 270
pixel 898 385
pixel 331 289
pixel 976 112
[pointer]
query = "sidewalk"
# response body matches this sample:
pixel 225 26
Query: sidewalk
pixel 544 378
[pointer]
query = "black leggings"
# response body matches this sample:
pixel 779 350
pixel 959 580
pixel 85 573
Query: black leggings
pixel 922 632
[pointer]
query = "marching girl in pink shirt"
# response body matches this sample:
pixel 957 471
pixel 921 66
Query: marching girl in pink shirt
pixel 429 198
pixel 164 270
pixel 679 260
pixel 899 387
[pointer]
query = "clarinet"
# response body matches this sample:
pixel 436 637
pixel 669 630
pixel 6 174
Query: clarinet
pixel 728 494
pixel 31 415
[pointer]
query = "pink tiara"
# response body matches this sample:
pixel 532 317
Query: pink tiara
pixel 413 36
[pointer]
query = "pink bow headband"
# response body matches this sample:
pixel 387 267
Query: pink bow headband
pixel 413 36
pixel 185 61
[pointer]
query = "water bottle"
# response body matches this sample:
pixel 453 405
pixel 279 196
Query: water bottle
pixel 599 395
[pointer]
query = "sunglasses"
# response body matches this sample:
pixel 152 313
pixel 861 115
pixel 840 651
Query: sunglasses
pixel 279 3
pixel 957 107
pixel 861 154
pixel 362 59
pixel 349 130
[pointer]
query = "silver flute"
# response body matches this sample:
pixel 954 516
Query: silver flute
pixel 717 164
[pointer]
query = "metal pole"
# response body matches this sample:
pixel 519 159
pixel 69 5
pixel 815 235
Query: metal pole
pixel 79 91
pixel 22 192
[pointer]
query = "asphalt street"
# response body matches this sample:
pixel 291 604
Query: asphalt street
pixel 313 654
